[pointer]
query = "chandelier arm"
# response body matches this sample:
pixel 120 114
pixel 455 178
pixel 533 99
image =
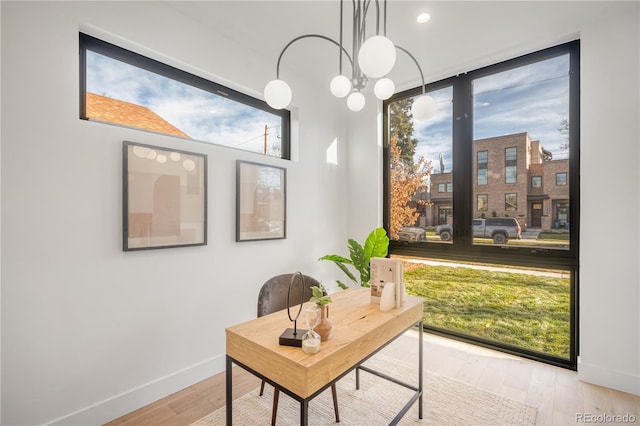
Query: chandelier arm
pixel 340 53
pixel 417 65
pixel 355 69
pixel 307 36
pixel 385 19
pixel 377 17
pixel 365 10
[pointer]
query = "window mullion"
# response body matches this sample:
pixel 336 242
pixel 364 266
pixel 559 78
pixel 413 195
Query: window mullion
pixel 462 152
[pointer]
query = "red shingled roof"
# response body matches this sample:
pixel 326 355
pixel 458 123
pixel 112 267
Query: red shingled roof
pixel 128 114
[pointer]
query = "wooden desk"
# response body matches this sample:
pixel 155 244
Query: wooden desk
pixel 360 330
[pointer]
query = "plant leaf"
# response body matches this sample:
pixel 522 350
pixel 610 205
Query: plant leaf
pixel 342 263
pixel 358 259
pixel 376 245
pixel 342 285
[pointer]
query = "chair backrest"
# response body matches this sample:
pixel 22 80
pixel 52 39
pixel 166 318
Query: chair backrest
pixel 273 294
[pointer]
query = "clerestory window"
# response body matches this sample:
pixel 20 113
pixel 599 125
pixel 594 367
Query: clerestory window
pixel 121 87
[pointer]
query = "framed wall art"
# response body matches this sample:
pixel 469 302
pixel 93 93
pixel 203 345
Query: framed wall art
pixel 164 197
pixel 260 201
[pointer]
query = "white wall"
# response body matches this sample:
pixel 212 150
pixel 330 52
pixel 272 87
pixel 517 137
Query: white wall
pixel 90 332
pixel 610 135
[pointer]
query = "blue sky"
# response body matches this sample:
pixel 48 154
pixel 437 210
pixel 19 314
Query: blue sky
pixel 202 115
pixel 533 99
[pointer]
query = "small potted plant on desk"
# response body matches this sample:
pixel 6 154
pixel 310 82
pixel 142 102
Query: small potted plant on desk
pixel 320 297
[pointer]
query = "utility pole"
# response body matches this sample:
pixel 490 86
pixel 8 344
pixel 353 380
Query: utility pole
pixel 266 137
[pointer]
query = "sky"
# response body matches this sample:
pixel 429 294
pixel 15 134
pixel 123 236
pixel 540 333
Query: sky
pixel 202 115
pixel 532 98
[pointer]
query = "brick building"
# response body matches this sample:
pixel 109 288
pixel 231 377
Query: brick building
pixel 512 176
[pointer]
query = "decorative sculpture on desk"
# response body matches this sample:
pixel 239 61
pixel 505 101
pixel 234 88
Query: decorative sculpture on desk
pixel 311 339
pixel 293 336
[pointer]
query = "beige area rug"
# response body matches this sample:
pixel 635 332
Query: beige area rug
pixel 446 402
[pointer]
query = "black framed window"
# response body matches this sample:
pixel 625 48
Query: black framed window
pixel 503 110
pixel 511 174
pixel 561 179
pixel 536 181
pixel 483 171
pixel 121 87
pixel 483 202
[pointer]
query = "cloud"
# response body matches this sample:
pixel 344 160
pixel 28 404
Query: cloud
pixel 532 98
pixel 203 115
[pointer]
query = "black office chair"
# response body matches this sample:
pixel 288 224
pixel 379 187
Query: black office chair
pixel 272 298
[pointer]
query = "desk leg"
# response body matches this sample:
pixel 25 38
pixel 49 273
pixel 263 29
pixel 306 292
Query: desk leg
pixel 229 392
pixel 420 367
pixel 304 412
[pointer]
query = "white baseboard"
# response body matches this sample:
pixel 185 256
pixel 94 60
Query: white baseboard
pixel 617 380
pixel 133 399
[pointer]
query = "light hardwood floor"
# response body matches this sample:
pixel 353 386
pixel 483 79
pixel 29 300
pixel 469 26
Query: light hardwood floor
pixel 556 392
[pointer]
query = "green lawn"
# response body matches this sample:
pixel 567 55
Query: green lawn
pixel 519 309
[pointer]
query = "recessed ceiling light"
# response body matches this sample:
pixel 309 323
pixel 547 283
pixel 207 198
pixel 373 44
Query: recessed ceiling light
pixel 423 17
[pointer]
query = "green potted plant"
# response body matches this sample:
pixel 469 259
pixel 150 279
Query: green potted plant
pixel 320 297
pixel 376 245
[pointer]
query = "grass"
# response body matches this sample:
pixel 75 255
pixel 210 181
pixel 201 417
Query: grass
pixel 529 311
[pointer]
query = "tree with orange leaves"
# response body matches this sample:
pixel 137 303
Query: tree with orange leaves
pixel 407 181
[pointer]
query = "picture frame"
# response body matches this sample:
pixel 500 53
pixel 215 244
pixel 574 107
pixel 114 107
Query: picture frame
pixel 261 201
pixel 164 197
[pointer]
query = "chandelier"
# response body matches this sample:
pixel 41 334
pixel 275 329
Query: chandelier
pixel 373 58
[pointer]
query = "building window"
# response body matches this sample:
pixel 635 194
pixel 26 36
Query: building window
pixel 510 154
pixel 449 187
pixel 482 176
pixel 511 174
pixel 483 202
pixel 482 160
pixel 120 87
pixel 442 187
pixel 511 202
pixel 561 179
pixel 536 181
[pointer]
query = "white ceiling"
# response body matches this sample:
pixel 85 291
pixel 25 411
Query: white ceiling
pixel 461 35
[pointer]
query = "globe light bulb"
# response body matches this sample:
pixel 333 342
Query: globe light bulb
pixel 356 101
pixel 277 93
pixel 384 88
pixel 423 108
pixel 377 56
pixel 340 86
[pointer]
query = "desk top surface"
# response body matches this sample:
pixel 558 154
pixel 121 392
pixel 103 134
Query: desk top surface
pixel 359 329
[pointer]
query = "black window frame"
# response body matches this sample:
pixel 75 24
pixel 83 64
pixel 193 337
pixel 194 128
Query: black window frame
pixel 510 174
pixel 486 202
pixel 539 179
pixel 511 207
pixel 88 42
pixel 563 181
pixel 461 248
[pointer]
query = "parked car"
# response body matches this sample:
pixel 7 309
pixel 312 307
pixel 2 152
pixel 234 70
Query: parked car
pixel 411 233
pixel 499 229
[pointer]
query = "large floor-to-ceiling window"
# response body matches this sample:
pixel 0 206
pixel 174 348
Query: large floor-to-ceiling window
pixel 491 184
